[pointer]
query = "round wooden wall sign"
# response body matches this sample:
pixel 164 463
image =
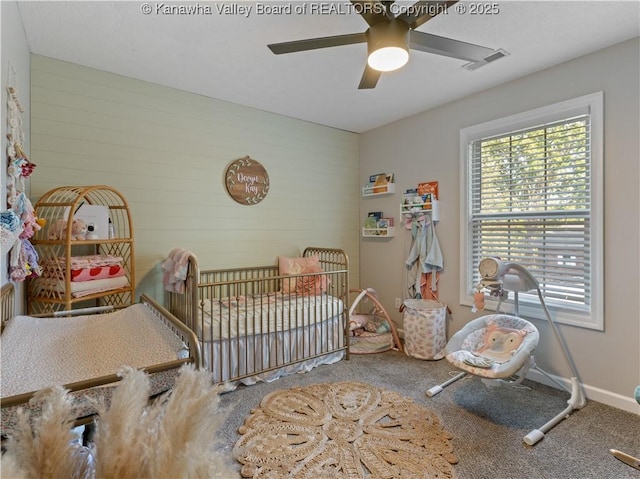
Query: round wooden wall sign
pixel 247 181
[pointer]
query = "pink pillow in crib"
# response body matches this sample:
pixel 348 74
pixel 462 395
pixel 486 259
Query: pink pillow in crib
pixel 305 285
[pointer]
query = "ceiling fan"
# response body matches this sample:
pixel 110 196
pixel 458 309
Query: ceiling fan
pixel 391 34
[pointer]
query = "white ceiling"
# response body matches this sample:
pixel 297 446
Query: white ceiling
pixel 225 55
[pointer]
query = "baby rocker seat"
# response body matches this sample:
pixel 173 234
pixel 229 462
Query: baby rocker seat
pixel 497 346
pixel 500 346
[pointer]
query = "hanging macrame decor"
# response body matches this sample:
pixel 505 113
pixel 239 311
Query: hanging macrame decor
pixel 19 223
pixel 18 165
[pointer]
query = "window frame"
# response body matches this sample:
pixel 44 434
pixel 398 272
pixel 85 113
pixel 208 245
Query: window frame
pixel 529 307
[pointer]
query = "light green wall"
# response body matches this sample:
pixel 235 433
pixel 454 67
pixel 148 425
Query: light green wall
pixel 425 147
pixel 166 151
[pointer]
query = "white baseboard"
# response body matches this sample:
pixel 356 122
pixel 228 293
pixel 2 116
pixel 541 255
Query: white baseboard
pixel 609 398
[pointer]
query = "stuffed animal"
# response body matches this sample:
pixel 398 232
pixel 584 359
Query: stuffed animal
pixel 58 230
pixel 358 322
pixel 501 343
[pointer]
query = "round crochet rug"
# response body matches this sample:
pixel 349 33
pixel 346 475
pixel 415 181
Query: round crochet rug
pixel 343 430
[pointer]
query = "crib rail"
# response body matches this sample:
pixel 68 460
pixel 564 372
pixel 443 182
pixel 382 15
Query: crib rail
pixel 178 328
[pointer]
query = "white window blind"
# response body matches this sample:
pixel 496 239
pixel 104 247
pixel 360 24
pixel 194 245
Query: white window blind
pixel 530 200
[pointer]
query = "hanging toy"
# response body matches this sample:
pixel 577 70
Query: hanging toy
pixel 26 166
pixel 478 301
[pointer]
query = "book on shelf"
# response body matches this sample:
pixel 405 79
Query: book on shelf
pixel 427 199
pixel 429 187
pixel 380 181
pixel 411 197
pixel 371 222
pixel 412 201
pixel 386 177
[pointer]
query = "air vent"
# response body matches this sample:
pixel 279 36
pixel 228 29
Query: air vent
pixel 496 55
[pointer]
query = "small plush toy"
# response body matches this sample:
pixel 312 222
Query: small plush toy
pixel 58 230
pixel 358 321
pixel 478 301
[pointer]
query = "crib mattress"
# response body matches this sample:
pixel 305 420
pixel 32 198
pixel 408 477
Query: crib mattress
pixel 39 352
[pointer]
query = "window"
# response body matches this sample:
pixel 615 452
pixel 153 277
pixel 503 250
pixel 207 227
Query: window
pixel 532 194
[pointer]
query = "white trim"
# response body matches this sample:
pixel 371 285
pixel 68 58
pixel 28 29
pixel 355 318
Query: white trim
pixel 538 116
pixel 592 104
pixel 626 403
pixel 597 209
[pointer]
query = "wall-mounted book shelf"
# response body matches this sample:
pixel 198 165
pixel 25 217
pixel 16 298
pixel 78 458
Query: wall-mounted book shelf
pixel 379 232
pixel 416 208
pixel 374 190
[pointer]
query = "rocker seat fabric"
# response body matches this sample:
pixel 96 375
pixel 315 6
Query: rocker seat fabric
pixel 469 339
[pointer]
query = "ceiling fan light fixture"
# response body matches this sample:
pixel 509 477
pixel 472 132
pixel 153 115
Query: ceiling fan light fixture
pixel 387 59
pixel 388 45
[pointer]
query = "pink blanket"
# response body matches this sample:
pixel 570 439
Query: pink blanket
pixel 175 270
pixel 100 272
pixel 84 268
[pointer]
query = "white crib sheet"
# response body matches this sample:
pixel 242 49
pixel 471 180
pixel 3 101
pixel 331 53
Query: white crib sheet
pixel 251 315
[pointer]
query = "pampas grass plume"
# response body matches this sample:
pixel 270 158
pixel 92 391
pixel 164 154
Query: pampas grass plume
pixel 174 437
pixel 186 424
pixel 119 437
pixel 48 452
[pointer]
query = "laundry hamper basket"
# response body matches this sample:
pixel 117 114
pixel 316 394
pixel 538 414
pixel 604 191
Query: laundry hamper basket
pixel 425 328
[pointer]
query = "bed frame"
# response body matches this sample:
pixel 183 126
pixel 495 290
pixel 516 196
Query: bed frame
pixel 164 373
pixel 284 349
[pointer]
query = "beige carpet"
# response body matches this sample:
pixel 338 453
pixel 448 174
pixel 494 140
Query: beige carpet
pixel 343 430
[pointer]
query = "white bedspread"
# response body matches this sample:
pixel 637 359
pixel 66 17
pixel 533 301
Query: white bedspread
pixel 39 352
pixel 263 315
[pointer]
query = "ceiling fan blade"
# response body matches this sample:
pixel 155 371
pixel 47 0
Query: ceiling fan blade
pixel 447 47
pixel 314 43
pixel 373 11
pixel 369 78
pixel 423 11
